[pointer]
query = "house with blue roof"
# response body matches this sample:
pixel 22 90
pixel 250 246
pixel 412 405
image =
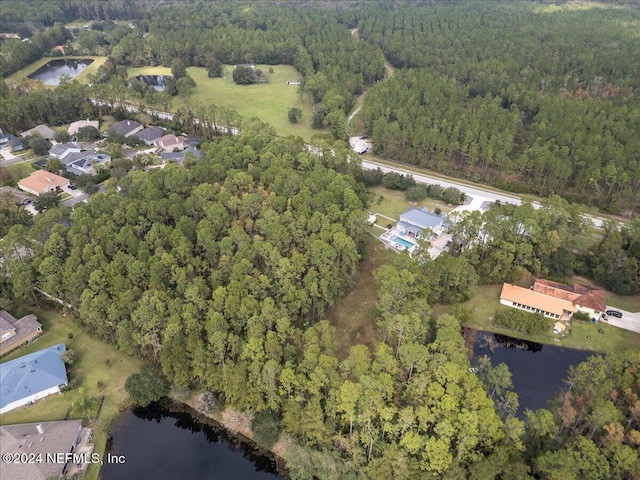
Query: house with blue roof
pixel 415 220
pixel 32 377
pixel 417 223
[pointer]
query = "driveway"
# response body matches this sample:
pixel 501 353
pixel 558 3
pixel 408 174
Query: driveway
pixel 629 321
pixel 9 157
pixel 74 193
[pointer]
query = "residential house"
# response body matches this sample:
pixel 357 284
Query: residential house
pixel 10 142
pixel 32 377
pixel 587 300
pixel 43 130
pixel 20 198
pixel 85 163
pixel 150 135
pixel 554 300
pixel 15 333
pixel 416 220
pixel 75 126
pixel 179 157
pixel 126 127
pixel 48 441
pixel 10 35
pixel 62 150
pixel 41 181
pixel 172 143
pixel 535 302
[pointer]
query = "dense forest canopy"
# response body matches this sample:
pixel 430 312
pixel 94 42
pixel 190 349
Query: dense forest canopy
pixel 222 271
pixel 528 96
pixel 520 95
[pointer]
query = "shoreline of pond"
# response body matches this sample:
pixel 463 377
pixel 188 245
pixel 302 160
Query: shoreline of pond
pixel 261 458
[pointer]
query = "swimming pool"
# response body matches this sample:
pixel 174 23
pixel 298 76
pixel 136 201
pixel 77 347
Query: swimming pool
pixel 403 242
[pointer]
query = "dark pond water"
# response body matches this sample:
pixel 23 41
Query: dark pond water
pixel 538 371
pixel 159 444
pixel 156 81
pixel 50 73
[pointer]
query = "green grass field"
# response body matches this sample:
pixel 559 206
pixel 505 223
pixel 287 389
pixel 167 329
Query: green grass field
pixel 393 203
pixel 268 102
pixel 19 171
pixel 604 338
pixel 353 316
pixel 82 77
pixel 91 367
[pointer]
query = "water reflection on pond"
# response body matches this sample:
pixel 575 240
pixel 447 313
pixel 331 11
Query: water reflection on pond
pixel 50 73
pixel 538 370
pixel 160 444
pixel 155 81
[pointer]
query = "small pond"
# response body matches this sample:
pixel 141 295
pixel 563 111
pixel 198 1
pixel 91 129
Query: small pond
pixel 50 73
pixel 155 81
pixel 158 443
pixel 538 371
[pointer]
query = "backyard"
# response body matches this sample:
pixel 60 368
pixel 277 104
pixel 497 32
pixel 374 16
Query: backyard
pixel 19 171
pixel 268 102
pixel 99 369
pixel 392 203
pixel 599 337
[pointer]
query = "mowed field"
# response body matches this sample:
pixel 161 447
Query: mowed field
pixel 268 102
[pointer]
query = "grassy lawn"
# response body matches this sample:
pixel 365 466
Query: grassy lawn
pixel 630 303
pixel 267 101
pixel 353 316
pixel 19 171
pixel 82 77
pixel 90 368
pixel 393 204
pixel 604 338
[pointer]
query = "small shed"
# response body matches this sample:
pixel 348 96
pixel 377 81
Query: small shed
pixel 559 327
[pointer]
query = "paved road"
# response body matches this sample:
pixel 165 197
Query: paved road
pixel 475 191
pixel 73 200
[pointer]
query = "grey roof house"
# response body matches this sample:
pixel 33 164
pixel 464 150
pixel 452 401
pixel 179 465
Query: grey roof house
pixel 43 130
pixel 10 142
pixel 178 157
pixel 75 126
pixel 126 127
pixel 20 198
pixel 32 377
pixel 150 134
pixel 62 150
pixel 416 219
pixel 15 333
pixel 82 163
pixel 48 441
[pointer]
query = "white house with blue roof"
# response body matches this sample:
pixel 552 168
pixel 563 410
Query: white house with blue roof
pixel 415 220
pixel 413 224
pixel 32 377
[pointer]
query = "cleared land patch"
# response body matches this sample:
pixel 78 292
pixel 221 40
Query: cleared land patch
pixel 268 102
pixel 353 317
